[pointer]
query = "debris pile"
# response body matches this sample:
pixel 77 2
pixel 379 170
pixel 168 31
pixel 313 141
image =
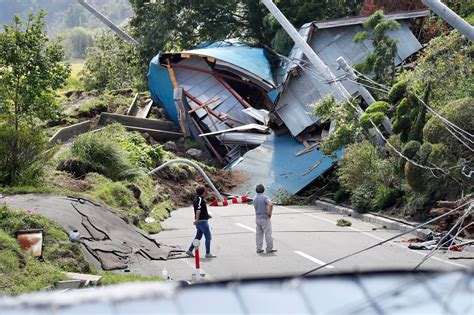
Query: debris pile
pixel 467 227
pixel 255 117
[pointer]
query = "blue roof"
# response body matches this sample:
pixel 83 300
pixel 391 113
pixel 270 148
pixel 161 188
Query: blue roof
pixel 275 165
pixel 248 58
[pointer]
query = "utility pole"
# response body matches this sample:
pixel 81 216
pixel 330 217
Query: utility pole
pixel 451 17
pixel 320 66
pixel 109 23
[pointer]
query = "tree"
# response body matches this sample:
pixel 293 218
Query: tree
pixel 182 24
pixel 380 62
pixel 31 69
pixel 76 41
pixel 111 64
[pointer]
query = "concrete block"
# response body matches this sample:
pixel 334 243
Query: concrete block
pixel 108 118
pixel 69 132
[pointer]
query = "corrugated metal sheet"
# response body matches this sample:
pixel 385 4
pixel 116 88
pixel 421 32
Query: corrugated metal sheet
pixel 275 165
pixel 294 105
pixel 250 60
pixel 205 87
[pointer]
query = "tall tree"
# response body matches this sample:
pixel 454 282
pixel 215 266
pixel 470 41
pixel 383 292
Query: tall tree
pixel 30 72
pixel 181 24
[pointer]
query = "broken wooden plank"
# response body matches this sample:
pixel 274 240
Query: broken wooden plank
pixel 307 149
pixel 203 105
pixel 309 170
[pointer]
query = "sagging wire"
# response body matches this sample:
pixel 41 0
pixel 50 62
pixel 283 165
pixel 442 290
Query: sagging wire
pixel 387 240
pixel 459 223
pixel 461 131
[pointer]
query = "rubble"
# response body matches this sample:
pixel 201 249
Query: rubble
pixel 256 118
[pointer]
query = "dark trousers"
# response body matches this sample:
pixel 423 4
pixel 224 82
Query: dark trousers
pixel 202 227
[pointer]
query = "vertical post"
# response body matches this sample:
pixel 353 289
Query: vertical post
pixel 196 259
pixel 451 17
pixel 368 98
pixel 320 66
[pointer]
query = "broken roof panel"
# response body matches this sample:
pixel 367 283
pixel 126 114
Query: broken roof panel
pixel 294 104
pixel 245 59
pixel 275 165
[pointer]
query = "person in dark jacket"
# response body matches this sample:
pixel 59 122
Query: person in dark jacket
pixel 201 217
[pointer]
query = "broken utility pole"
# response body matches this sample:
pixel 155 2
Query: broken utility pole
pixel 451 17
pixel 320 66
pixel 109 23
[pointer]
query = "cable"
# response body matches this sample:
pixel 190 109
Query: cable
pixel 387 240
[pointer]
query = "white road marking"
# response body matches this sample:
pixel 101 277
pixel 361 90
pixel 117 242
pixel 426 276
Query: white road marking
pixel 378 238
pixel 193 266
pixel 319 262
pixel 246 227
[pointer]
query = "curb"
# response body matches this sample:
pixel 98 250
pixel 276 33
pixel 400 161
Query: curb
pixel 389 224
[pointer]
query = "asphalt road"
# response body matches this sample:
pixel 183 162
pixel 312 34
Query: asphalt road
pixel 305 238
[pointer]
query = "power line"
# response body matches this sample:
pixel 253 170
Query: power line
pixel 387 240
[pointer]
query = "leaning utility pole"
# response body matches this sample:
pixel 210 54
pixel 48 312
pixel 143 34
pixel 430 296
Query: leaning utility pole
pixel 451 17
pixel 109 23
pixel 320 66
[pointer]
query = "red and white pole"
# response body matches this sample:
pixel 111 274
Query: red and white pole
pixel 196 259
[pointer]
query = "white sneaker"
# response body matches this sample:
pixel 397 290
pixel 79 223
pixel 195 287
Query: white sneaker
pixel 210 256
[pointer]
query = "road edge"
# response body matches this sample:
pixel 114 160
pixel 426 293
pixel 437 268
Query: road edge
pixel 367 217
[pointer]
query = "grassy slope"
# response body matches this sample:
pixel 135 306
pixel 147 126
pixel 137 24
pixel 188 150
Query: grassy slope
pixel 21 273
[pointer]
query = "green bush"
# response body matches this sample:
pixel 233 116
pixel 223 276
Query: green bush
pixel 366 118
pixel 22 155
pixel 403 107
pixel 377 107
pixel 362 198
pixel 385 197
pixel 397 92
pixel 103 155
pixel 360 164
pixel 415 177
pixel 410 149
pixel 340 196
pixel 460 113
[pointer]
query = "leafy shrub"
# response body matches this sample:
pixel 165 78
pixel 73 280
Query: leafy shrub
pixel 340 196
pixel 377 107
pixel 22 155
pixel 284 198
pixel 397 91
pixel 385 197
pixel 103 155
pixel 410 149
pixel 359 164
pixel 403 107
pixel 447 64
pixel 460 113
pixel 362 197
pixel 366 118
pixel 415 177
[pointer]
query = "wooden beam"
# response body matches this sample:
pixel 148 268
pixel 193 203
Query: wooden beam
pixel 203 105
pixel 212 112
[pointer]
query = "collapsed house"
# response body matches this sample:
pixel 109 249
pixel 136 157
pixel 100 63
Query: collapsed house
pixel 259 120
